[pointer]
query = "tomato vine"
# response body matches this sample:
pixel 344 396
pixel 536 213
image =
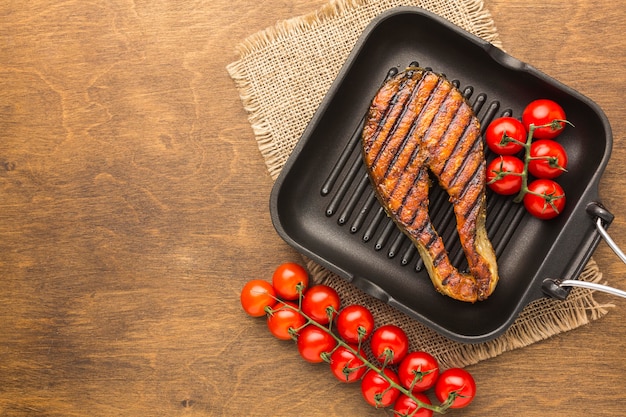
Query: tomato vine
pixel 321 341
pixel 380 370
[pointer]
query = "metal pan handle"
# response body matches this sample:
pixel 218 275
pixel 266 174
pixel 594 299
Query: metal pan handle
pixel 556 286
pixel 591 286
pixel 609 241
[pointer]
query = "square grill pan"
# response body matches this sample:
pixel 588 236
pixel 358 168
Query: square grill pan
pixel 323 204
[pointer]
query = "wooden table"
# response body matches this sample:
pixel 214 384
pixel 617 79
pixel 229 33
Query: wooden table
pixel 134 207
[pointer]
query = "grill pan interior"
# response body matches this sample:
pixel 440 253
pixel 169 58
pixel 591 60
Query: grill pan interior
pixel 323 203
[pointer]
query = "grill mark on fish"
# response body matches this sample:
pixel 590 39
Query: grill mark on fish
pixel 420 106
pixel 387 157
pixel 447 149
pixel 441 120
pixel 459 175
pixel 456 178
pixel 420 122
pixel 422 126
pixel 472 210
pixel 400 160
pixel 394 105
pixel 438 259
pixel 473 183
pixel 378 119
pixel 422 176
pixel 460 147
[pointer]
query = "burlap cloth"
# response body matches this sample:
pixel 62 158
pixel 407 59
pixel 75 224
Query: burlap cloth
pixel 282 74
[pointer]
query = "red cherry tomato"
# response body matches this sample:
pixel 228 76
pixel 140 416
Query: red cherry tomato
pixel 504 134
pixel 377 391
pixel 313 341
pixel 418 371
pixel 545 199
pixel 283 318
pixel 256 295
pixel 544 112
pixel 457 382
pixel 406 406
pixel 504 175
pixel 355 323
pixel 548 159
pixel 346 366
pixel 321 303
pixel 389 344
pixel 287 278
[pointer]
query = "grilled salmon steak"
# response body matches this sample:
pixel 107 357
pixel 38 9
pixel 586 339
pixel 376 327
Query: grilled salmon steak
pixel 419 122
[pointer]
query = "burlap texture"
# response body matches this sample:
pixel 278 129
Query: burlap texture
pixel 282 74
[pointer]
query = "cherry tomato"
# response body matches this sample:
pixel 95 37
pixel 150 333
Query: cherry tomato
pixel 287 278
pixel 283 318
pixel 377 391
pixel 504 134
pixel 457 382
pixel 545 199
pixel 256 295
pixel 504 174
pixel 406 406
pixel 354 323
pixel 346 366
pixel 389 344
pixel 313 341
pixel 543 112
pixel 548 159
pixel 321 303
pixel 418 371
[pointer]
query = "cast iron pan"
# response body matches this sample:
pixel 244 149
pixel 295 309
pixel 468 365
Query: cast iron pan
pixel 323 204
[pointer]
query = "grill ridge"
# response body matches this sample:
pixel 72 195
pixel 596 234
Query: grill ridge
pixel 348 150
pixel 353 200
pixel 373 226
pixel 365 209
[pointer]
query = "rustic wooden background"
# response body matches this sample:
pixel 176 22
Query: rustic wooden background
pixel 133 207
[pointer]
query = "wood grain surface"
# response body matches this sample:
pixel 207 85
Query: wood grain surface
pixel 134 206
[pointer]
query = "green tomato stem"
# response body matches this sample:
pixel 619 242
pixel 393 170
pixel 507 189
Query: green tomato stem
pixel 527 158
pixel 524 175
pixel 553 162
pixel 442 408
pixel 506 139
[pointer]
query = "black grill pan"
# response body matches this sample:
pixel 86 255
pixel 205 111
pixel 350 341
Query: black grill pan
pixel 323 204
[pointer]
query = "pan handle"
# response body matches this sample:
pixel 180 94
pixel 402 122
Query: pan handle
pixel 555 287
pixel 609 241
pixel 589 285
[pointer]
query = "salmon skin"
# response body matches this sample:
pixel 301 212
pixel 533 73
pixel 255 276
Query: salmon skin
pixel 420 123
